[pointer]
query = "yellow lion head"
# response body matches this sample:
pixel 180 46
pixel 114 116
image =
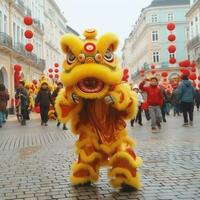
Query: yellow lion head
pixel 90 67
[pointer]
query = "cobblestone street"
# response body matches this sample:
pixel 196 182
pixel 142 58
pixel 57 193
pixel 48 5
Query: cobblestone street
pixel 35 163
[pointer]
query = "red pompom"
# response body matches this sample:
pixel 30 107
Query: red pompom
pixel 28 20
pixel 28 34
pixel 172 49
pixel 17 68
pixel 171 26
pixel 171 37
pixel 172 60
pixel 29 47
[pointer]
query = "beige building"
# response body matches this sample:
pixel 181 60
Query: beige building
pixel 48 25
pixel 148 44
pixel 193 17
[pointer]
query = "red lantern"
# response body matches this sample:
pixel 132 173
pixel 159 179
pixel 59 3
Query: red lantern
pixel 171 26
pixel 186 72
pixel 184 63
pixel 57 76
pixel 50 70
pixel 199 85
pixel 153 66
pixel 172 60
pixel 199 78
pixel 164 74
pixel 17 68
pixel 171 37
pixel 56 70
pixel 153 71
pixel 51 76
pixel 29 47
pixel 193 76
pixel 28 34
pixel 56 65
pixel 192 64
pixel 171 49
pixel 28 20
pixel 193 70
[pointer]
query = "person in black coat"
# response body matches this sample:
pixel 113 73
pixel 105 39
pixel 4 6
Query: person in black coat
pixel 22 96
pixel 44 99
pixel 197 98
pixel 54 95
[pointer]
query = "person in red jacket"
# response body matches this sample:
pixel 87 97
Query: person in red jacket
pixel 155 101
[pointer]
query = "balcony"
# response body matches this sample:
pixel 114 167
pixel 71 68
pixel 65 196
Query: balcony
pixel 5 40
pixel 194 42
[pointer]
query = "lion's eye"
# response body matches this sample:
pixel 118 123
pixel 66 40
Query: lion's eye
pixel 70 58
pixel 109 56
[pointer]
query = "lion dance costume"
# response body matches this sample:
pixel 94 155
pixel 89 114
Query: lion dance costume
pixel 96 101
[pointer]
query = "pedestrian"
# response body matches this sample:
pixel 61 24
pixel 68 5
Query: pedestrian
pixel 197 98
pixel 186 96
pixel 44 99
pixel 155 101
pixel 175 101
pixel 54 95
pixel 140 101
pixel 3 103
pixel 22 98
pixel 164 105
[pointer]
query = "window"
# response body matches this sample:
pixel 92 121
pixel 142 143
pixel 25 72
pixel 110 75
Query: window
pixel 172 55
pixel 170 17
pixel 156 58
pixel 154 36
pixel 18 33
pixel 154 18
pixel 5 23
pixel 14 31
pixel 1 21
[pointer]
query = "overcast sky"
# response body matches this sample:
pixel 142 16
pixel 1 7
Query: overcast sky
pixel 116 16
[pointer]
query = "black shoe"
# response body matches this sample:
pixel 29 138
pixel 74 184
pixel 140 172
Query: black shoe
pixel 140 123
pixel 58 124
pixel 23 123
pixel 1 126
pixel 127 188
pixel 42 123
pixel 159 125
pixel 164 120
pixel 65 128
pixel 46 124
pixel 87 184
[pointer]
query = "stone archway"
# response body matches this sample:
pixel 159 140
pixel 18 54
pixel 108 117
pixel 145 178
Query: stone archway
pixel 4 76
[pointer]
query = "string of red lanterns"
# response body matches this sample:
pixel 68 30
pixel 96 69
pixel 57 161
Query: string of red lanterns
pixel 28 33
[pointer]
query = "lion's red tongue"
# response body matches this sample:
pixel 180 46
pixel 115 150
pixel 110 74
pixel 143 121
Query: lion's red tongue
pixel 90 85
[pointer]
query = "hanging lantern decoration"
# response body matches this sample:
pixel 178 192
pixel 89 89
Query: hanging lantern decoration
pixel 193 70
pixel 28 20
pixel 192 76
pixel 56 76
pixel 29 47
pixel 171 26
pixel 164 74
pixel 50 76
pixel 17 68
pixel 56 65
pixel 199 78
pixel 28 34
pixel 193 64
pixel 50 70
pixel 171 37
pixel 56 70
pixel 184 63
pixel 199 85
pixel 172 49
pixel 172 60
pixel 186 72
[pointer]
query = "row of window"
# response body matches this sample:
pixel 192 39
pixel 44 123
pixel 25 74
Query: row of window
pixel 156 56
pixel 154 17
pixel 3 22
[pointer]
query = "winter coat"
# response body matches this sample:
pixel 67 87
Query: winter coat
pixel 186 91
pixel 4 97
pixel 175 97
pixel 154 94
pixel 22 95
pixel 44 98
pixel 197 96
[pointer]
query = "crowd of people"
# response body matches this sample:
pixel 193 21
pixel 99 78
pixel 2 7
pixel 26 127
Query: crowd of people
pixel 153 100
pixel 157 102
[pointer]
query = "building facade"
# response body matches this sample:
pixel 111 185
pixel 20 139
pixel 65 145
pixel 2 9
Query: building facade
pixel 193 17
pixel 48 25
pixel 148 42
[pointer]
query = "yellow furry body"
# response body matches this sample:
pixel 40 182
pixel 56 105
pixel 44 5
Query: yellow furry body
pixel 103 138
